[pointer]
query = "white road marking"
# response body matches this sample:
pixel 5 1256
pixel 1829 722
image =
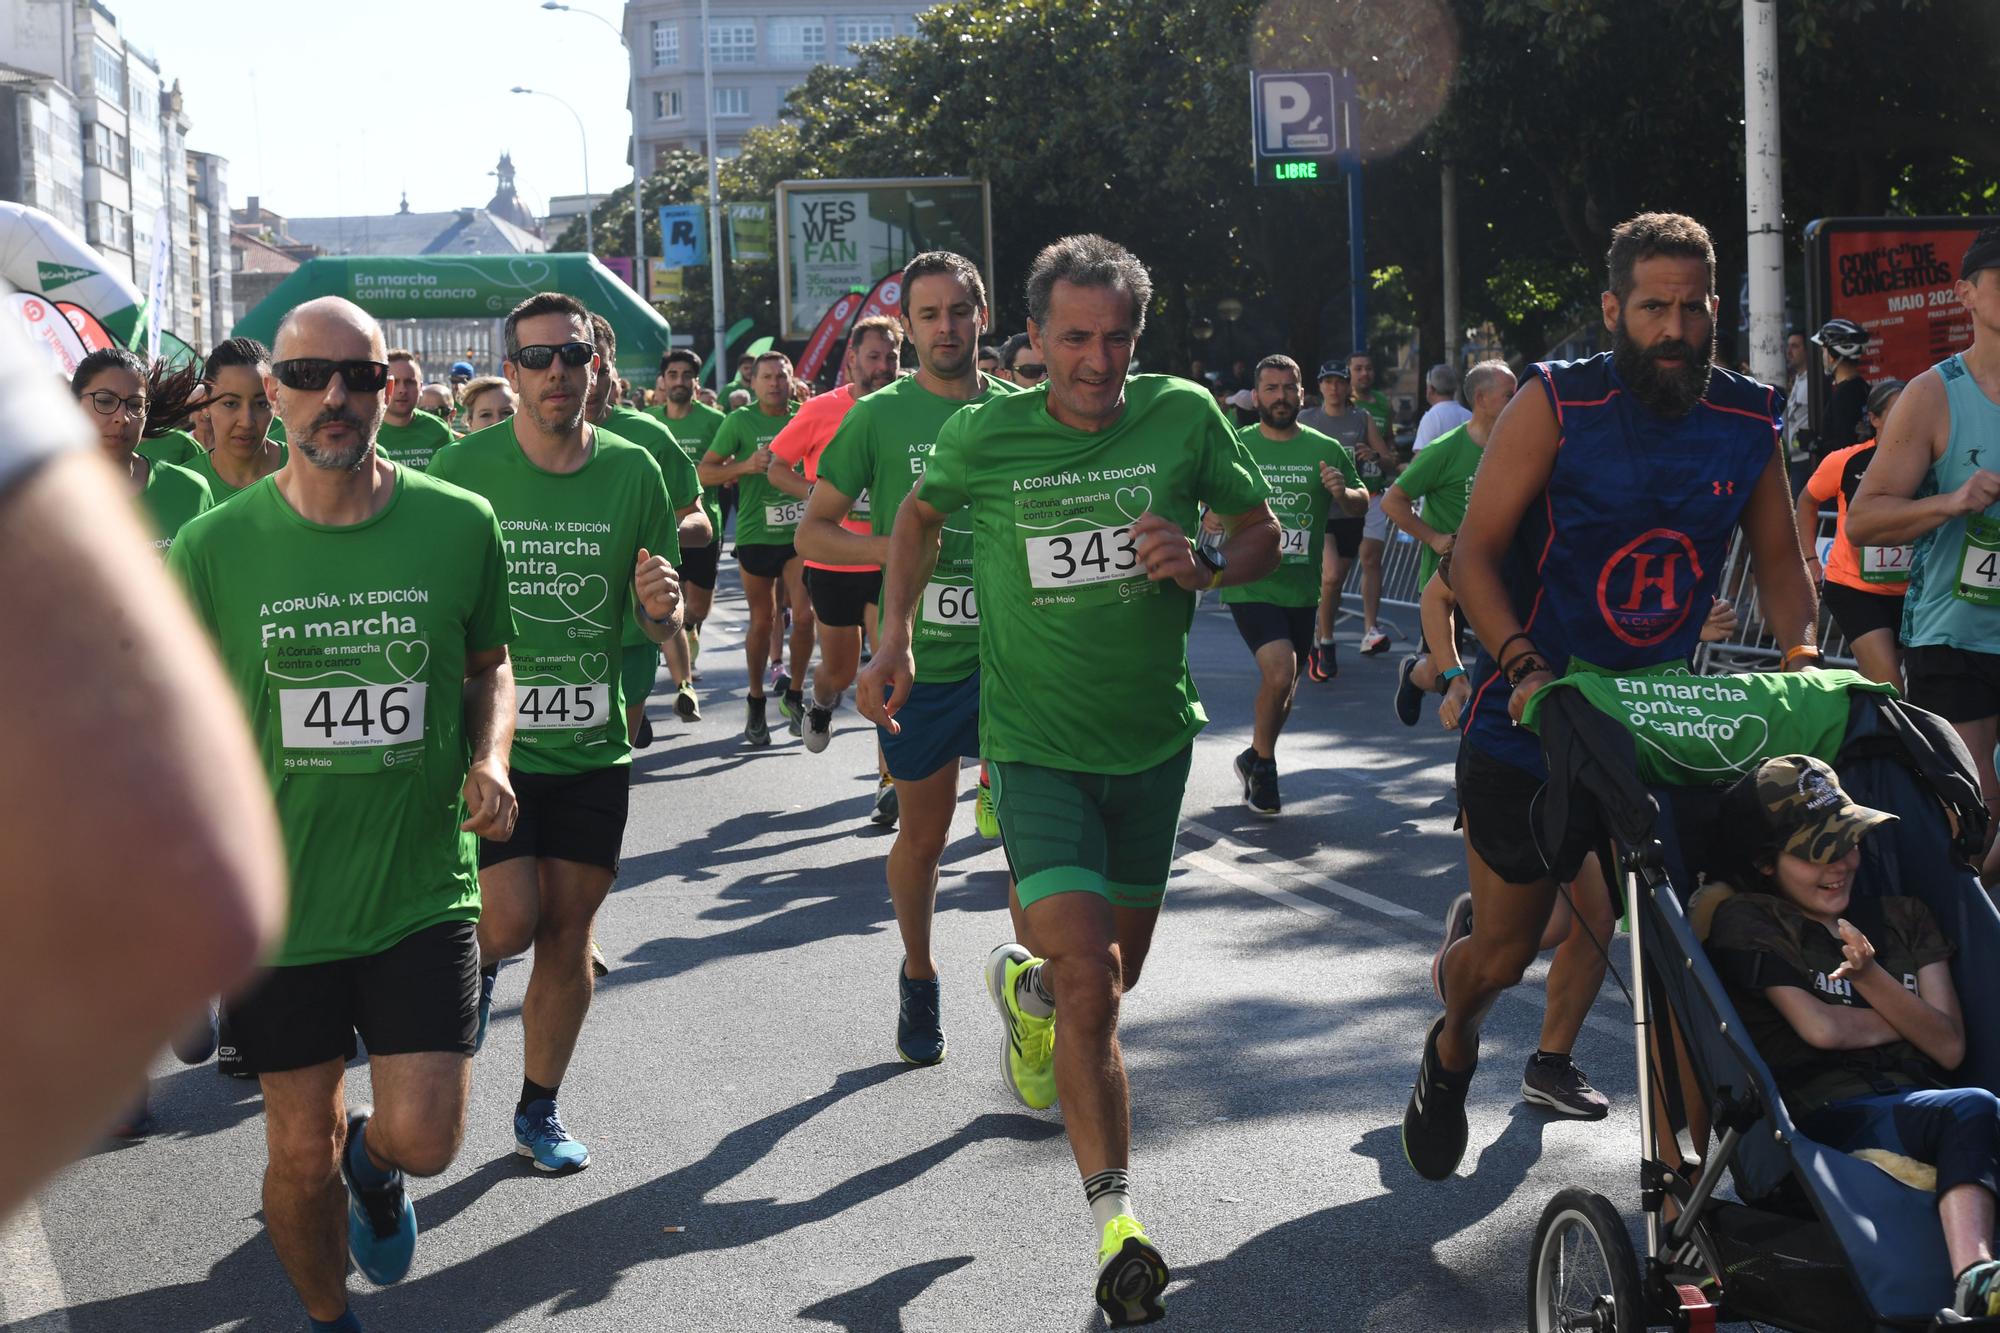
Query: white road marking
pixel 1292 870
pixel 31 1291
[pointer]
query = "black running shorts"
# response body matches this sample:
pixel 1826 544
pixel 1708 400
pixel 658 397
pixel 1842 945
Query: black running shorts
pixel 1345 534
pixel 1957 685
pixel 567 817
pixel 839 596
pixel 698 564
pixel 1496 808
pixel 766 562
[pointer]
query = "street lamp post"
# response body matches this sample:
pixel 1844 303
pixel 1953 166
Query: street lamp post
pixel 589 203
pixel 638 167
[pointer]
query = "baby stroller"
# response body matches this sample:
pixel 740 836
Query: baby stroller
pixel 1815 1240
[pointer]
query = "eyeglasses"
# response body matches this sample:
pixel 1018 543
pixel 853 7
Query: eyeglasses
pixel 1029 372
pixel 538 356
pixel 107 402
pixel 311 374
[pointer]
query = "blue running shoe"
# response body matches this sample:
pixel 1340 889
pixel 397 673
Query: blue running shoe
pixel 487 980
pixel 539 1133
pixel 381 1223
pixel 919 1023
pixel 195 1045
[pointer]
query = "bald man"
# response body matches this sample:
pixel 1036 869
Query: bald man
pixel 361 612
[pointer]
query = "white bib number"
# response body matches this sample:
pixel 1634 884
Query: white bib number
pixel 1294 543
pixel 950 604
pixel 859 509
pixel 1981 569
pixel 1885 563
pixel 560 707
pixel 784 515
pixel 344 717
pixel 1077 559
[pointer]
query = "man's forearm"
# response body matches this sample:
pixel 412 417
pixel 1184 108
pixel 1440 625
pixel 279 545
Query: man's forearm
pixel 1888 520
pixel 1786 596
pixel 1475 579
pixel 825 541
pixel 1250 552
pixel 489 712
pixel 782 476
pixel 1404 515
pixel 913 553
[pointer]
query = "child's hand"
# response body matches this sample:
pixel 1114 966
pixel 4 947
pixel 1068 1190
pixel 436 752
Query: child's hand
pixel 1859 953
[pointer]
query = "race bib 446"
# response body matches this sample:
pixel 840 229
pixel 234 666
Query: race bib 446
pixel 348 707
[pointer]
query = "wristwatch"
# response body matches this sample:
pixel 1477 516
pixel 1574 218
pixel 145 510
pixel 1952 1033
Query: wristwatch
pixel 1212 559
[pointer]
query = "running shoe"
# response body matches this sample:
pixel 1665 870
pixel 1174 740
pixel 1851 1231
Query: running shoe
pixel 886 811
pixel 1131 1276
pixel 1434 1128
pixel 1457 926
pixel 1323 664
pixel 791 703
pixel 1977 1292
pixel 196 1044
pixel 1554 1081
pixel 488 977
pixel 686 706
pixel 598 967
pixel 138 1122
pixel 644 740
pixel 757 731
pixel 781 681
pixel 983 812
pixel 1409 698
pixel 539 1134
pixel 1028 1056
pixel 1260 783
pixel 1374 641
pixel 919 1020
pixel 819 728
pixel 381 1223
pixel 795 713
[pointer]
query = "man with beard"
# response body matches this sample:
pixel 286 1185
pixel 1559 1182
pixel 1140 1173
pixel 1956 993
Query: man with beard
pixel 409 435
pixel 590 534
pixel 1308 473
pixel 1609 493
pixel 693 424
pixel 841 593
pixel 362 611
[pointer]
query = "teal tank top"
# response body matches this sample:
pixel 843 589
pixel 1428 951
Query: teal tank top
pixel 1954 595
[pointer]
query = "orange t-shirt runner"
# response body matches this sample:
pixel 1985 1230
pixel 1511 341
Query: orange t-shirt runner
pixel 804 439
pixel 1884 570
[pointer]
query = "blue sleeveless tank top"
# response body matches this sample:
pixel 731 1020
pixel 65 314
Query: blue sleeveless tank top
pixel 1954 593
pixel 1616 562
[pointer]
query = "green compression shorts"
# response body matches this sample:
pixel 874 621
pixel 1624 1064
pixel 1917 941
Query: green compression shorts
pixel 1108 834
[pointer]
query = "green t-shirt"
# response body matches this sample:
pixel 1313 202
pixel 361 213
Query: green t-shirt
pixel 204 467
pixel 571 541
pixel 173 446
pixel 348 646
pixel 879 449
pixel 692 433
pixel 1376 404
pixel 1440 478
pixel 413 445
pixel 277 431
pixel 1084 658
pixel 765 515
pixel 1301 501
pixel 683 485
pixel 172 496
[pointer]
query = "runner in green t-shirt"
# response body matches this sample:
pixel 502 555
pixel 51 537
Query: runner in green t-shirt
pixel 1082 497
pixel 693 424
pixel 881 448
pixel 588 533
pixel 238 408
pixel 1309 474
pixel 766 519
pixel 1361 375
pixel 641 657
pixel 409 435
pixel 362 611
pixel 1440 478
pixel 111 386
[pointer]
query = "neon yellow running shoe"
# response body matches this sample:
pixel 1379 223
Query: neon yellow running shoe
pixel 1028 1055
pixel 1131 1276
pixel 984 814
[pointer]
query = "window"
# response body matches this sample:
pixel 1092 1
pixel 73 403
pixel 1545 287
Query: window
pixel 910 28
pixel 107 226
pixel 732 101
pixel 733 43
pixel 110 72
pixel 797 41
pixel 667 105
pixel 869 28
pixel 666 43
pixel 104 148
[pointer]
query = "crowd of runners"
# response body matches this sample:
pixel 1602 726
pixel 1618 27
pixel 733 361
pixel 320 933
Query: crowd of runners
pixel 444 606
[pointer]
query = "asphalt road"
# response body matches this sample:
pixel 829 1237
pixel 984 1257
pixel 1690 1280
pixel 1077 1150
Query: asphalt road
pixel 762 1161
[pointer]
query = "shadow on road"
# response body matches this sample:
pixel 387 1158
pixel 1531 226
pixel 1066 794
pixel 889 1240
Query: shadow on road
pixel 878 1306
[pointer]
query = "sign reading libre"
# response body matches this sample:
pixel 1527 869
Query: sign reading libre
pixel 1301 120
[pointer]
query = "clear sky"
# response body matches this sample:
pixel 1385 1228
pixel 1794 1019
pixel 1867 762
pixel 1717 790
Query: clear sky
pixel 339 108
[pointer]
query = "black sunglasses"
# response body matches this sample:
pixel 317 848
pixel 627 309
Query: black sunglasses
pixel 311 374
pixel 537 356
pixel 1026 371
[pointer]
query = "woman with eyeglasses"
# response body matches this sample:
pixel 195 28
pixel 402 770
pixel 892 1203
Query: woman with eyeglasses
pixel 238 412
pixel 113 387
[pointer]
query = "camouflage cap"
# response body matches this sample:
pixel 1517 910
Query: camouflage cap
pixel 1806 811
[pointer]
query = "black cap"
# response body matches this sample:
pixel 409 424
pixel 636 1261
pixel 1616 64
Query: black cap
pixel 1334 370
pixel 1984 252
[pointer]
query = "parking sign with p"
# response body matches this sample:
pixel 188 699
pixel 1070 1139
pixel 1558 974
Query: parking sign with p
pixel 1295 116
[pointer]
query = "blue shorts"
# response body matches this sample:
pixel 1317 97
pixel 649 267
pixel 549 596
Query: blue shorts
pixel 940 722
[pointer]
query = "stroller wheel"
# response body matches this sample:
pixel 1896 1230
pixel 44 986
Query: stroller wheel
pixel 1582 1274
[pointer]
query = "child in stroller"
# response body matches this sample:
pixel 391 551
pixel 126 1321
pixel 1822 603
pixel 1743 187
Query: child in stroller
pixel 1852 1005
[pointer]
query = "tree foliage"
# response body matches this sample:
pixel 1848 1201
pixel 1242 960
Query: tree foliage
pixel 1560 117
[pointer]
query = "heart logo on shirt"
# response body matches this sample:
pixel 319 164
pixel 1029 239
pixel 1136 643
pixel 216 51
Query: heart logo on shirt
pixel 594 665
pixel 528 273
pixel 1132 501
pixel 1290 500
pixel 407 657
pixel 575 591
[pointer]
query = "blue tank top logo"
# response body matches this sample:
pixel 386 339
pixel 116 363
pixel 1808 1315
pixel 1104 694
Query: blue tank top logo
pixel 1646 589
